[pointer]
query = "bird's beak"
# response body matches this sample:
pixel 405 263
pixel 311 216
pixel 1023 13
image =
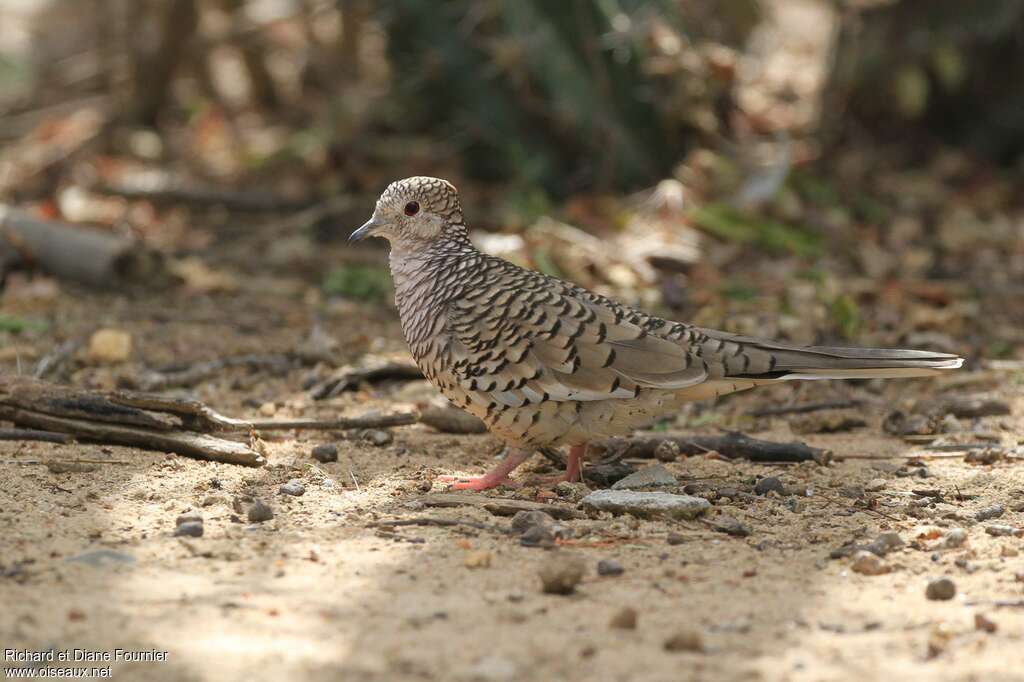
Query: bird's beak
pixel 367 230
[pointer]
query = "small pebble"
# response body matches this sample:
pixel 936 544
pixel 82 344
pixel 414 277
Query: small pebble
pixel 480 558
pixel 268 409
pixel 624 619
pixel 884 543
pixel 667 451
pixel 955 537
pixel 110 346
pixel 524 520
pixel 675 539
pixel 325 452
pixel 189 529
pixel 1000 530
pixel 609 567
pixel 294 487
pixel 941 589
pixel 537 536
pixel 561 573
pixel 1008 552
pixel 189 517
pixel 686 640
pixel 259 512
pixel 867 563
pixel 378 437
pixel 875 484
pixel 768 484
pixel 983 623
pixel 730 526
pixel 993 511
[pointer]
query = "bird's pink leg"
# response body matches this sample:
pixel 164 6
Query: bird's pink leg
pixel 573 466
pixel 493 478
pixel 574 463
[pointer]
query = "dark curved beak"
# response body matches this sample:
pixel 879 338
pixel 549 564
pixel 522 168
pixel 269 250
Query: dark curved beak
pixel 365 231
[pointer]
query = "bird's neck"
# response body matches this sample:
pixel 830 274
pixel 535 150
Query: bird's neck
pixel 425 278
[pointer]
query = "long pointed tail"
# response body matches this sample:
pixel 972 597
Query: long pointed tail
pixel 787 361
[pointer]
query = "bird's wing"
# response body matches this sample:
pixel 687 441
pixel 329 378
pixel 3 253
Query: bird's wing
pixel 539 342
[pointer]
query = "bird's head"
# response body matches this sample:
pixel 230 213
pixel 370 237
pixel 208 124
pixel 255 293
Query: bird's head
pixel 414 212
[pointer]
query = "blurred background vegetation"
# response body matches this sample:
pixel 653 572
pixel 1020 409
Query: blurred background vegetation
pixel 808 169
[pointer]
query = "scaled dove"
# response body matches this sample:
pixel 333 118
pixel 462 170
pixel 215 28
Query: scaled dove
pixel 544 362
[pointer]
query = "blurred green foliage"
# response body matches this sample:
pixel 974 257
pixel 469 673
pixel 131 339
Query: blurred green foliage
pixel 735 225
pixel 359 282
pixel 16 324
pixel 559 94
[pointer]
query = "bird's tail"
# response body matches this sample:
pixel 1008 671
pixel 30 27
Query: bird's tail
pixel 787 361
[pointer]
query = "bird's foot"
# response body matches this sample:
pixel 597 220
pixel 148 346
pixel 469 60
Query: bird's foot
pixel 493 478
pixel 485 482
pixel 555 480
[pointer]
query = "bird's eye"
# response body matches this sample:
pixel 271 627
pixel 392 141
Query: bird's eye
pixel 412 208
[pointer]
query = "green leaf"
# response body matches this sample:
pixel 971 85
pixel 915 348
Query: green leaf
pixel 16 325
pixel 734 225
pixel 846 315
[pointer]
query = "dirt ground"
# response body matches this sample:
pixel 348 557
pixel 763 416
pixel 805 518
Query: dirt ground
pixel 88 559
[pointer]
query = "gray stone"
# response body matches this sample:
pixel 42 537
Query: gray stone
pixel 646 504
pixel 730 526
pixel 655 476
pixel 101 557
pixel 325 452
pixel 189 529
pixel 259 512
pixel 609 567
pixel 193 517
pixel 294 487
pixel 1000 530
pixel 884 543
pixel 875 484
pixel 378 437
pixel 537 536
pixel 955 537
pixel 769 483
pixel 524 520
pixel 993 511
pixel 941 589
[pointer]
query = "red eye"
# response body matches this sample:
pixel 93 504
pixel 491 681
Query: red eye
pixel 412 208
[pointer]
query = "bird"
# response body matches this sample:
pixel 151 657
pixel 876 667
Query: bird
pixel 546 363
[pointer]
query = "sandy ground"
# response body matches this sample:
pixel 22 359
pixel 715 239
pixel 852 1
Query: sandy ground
pixel 88 559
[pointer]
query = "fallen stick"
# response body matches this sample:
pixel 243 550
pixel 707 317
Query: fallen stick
pixel 155 422
pixel 368 422
pixel 35 435
pixel 803 408
pixel 124 418
pixel 732 444
pixel 76 253
pixel 188 443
